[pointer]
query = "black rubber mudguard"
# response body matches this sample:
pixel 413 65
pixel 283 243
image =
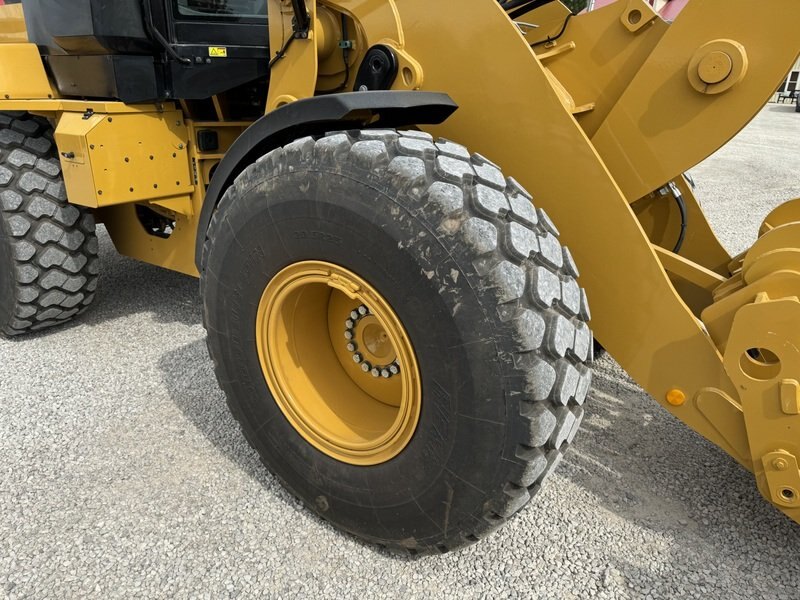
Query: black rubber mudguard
pixel 317 116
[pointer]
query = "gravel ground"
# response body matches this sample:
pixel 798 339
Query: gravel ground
pixel 122 474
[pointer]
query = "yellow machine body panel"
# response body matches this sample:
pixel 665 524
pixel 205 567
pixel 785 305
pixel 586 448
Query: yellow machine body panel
pixel 22 75
pixel 117 159
pixel 12 24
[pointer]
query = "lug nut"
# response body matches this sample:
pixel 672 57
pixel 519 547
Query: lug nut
pixel 394 369
pixel 349 324
pixel 348 335
pixel 351 347
pixel 354 315
pixel 357 358
pixel 366 367
pixel 386 374
pixel 362 310
pixel 376 372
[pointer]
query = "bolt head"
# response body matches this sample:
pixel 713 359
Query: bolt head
pixel 366 367
pixel 348 335
pixel 351 347
pixel 362 310
pixel 394 369
pixel 781 464
pixel 376 373
pixel 357 358
pixel 385 374
pixel 349 324
pixel 354 315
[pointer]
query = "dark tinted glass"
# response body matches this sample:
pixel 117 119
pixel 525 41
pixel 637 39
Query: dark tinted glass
pixel 234 9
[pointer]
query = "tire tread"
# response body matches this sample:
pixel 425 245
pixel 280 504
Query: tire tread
pixel 52 243
pixel 514 250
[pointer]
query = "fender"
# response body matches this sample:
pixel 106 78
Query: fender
pixel 316 116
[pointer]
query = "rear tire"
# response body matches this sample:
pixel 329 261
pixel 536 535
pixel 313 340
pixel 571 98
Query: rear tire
pixel 48 248
pixel 486 293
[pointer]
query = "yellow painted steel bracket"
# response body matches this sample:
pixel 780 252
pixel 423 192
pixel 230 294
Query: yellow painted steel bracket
pixel 628 102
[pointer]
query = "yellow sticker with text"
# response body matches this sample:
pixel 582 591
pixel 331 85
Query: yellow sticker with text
pixel 217 52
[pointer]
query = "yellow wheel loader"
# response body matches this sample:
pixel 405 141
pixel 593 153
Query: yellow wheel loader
pixel 377 197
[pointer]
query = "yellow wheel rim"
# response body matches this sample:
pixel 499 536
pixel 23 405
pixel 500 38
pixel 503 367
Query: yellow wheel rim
pixel 338 363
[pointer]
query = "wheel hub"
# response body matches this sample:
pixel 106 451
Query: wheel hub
pixel 370 344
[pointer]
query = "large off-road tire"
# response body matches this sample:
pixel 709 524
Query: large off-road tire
pixel 485 292
pixel 48 248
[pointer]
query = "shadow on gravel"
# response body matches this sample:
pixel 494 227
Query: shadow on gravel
pixel 650 469
pixel 191 384
pixel 129 287
pixel 189 379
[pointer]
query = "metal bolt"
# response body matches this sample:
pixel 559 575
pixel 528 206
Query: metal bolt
pixel 780 464
pixel 366 367
pixel 394 369
pixel 351 347
pixel 376 372
pixel 349 324
pixel 357 358
pixel 362 310
pixel 348 335
pixel 385 374
pixel 354 315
